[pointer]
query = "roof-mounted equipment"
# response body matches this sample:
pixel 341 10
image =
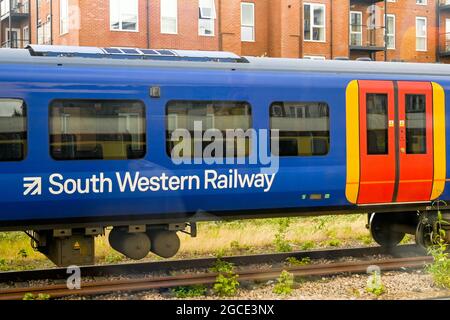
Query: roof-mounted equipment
pixel 134 54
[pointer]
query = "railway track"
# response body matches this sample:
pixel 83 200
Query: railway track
pixel 203 263
pixel 143 284
pixel 408 256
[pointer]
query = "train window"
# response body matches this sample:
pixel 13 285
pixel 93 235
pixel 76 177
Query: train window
pixel 416 132
pixel 304 128
pixel 377 124
pixel 13 130
pixel 216 120
pixel 97 130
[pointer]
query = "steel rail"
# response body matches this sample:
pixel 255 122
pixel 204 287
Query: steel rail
pixel 143 284
pixel 202 263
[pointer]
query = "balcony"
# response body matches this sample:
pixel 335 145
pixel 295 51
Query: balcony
pixel 444 44
pixel 444 5
pixel 364 38
pixel 14 9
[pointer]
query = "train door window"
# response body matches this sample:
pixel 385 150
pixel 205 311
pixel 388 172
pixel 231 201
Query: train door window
pixel 208 123
pixel 416 131
pixel 97 130
pixel 304 128
pixel 377 124
pixel 13 130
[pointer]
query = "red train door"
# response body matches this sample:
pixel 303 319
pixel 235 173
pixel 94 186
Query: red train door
pixel 395 142
pixel 377 141
pixel 415 135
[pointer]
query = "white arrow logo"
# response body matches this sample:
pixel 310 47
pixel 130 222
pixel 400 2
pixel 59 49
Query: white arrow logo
pixel 32 185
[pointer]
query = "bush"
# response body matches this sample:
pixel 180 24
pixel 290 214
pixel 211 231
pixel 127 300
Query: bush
pixel 226 285
pixel 440 268
pixel 40 296
pixel 189 292
pixel 296 262
pixel 375 285
pixel 281 244
pixel 285 284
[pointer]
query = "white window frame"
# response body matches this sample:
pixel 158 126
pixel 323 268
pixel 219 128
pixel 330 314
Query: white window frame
pixel 252 5
pixel 420 36
pixel 120 18
pixel 311 19
pixel 163 29
pixel 390 15
pixel 447 34
pixel 205 18
pixel 421 2
pixel 360 33
pixel 63 17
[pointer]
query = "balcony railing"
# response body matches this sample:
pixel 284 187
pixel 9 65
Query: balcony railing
pixel 444 4
pixel 14 7
pixel 363 37
pixel 15 43
pixel 444 44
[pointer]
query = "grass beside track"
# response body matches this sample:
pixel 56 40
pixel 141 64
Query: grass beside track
pixel 218 238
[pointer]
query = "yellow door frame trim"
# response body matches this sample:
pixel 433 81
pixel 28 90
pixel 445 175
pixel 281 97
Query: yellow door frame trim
pixel 353 154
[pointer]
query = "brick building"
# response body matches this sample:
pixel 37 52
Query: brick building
pixel 393 30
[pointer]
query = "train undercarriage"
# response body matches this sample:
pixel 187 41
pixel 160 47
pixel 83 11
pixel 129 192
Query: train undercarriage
pixel 389 229
pixel 66 247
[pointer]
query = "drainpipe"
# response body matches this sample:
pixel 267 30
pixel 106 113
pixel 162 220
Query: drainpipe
pixel 438 27
pixel 331 29
pixel 37 21
pixel 9 25
pixel 301 33
pixel 148 23
pixel 219 26
pixel 385 30
pixel 51 22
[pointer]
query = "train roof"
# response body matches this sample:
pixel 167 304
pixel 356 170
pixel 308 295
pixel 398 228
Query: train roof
pixel 165 58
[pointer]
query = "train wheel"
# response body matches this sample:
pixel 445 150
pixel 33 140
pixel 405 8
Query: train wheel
pixel 381 230
pixel 424 235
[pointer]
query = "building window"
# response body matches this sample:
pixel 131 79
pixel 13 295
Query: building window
pixel 63 16
pixel 97 130
pixel 421 34
pixel 421 2
pixel 314 22
pixel 26 36
pixel 390 31
pixel 169 16
pixel 247 21
pixel 355 28
pixel 213 116
pixel 12 37
pixel 13 130
pixel 40 32
pixel 447 34
pixel 304 128
pixel 124 15
pixel 207 17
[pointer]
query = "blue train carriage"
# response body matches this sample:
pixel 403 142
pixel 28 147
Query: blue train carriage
pixel 93 138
